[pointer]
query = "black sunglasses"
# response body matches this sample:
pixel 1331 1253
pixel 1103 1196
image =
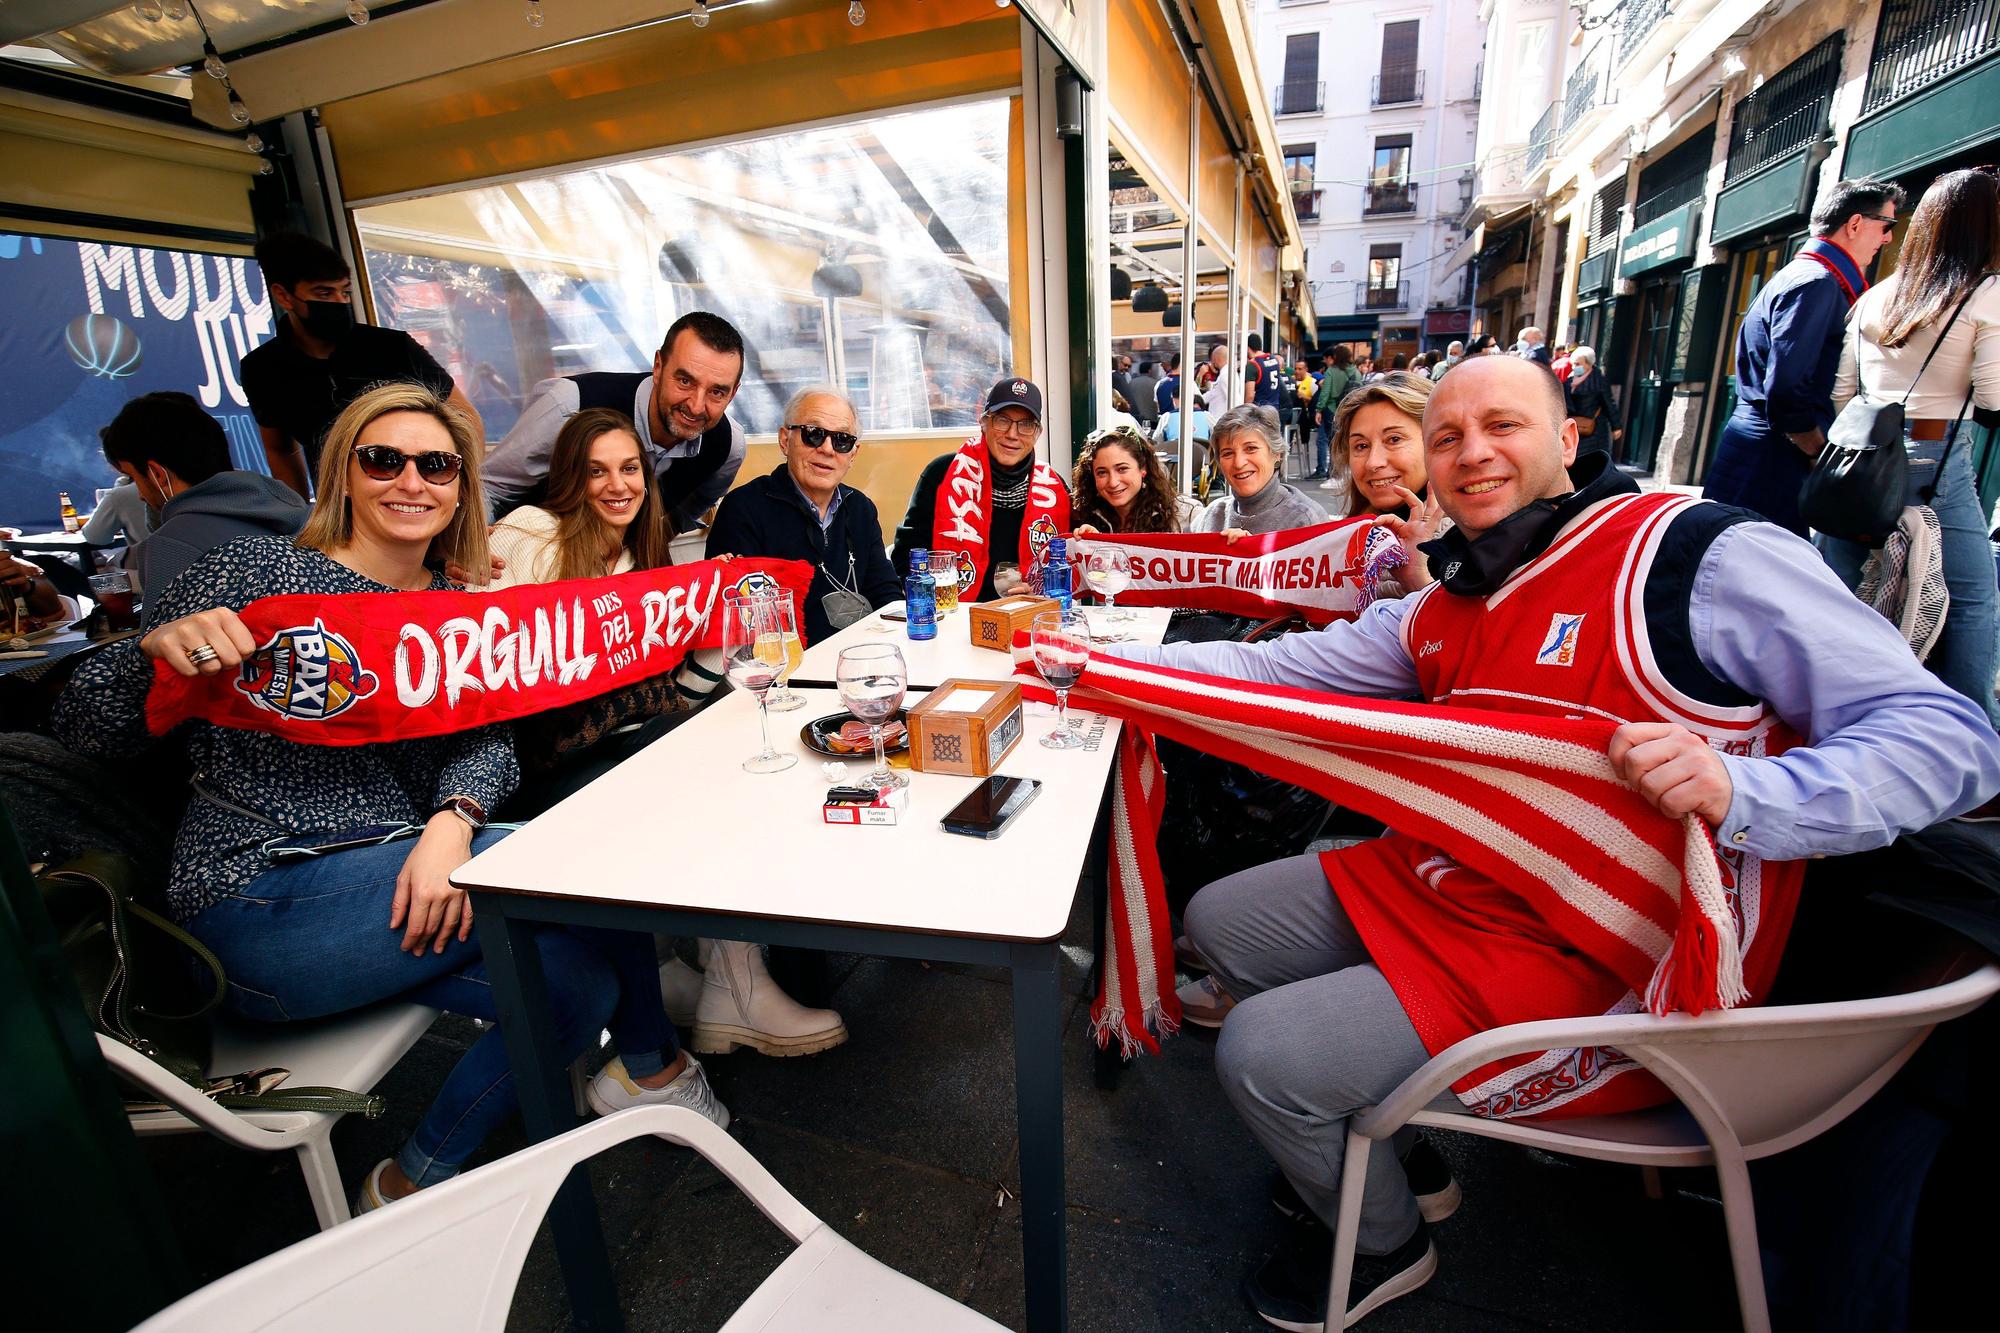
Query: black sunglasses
pixel 815 436
pixel 383 463
pixel 1877 217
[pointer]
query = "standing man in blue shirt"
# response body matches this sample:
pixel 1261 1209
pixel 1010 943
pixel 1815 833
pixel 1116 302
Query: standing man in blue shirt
pixel 1787 352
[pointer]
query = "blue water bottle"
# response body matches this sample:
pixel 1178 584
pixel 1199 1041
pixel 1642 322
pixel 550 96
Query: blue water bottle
pixel 1056 572
pixel 920 597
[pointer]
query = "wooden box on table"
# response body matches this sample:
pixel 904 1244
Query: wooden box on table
pixel 965 727
pixel 993 623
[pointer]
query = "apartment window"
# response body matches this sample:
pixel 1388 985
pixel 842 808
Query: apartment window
pixel 1301 91
pixel 1398 80
pixel 1604 210
pixel 1301 161
pixel 1385 267
pixel 1389 187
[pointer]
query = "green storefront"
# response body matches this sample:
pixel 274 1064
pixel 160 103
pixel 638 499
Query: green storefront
pixel 1933 106
pixel 1656 257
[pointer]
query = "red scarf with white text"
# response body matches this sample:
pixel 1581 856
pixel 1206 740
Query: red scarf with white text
pixel 963 520
pixel 360 668
pixel 1322 573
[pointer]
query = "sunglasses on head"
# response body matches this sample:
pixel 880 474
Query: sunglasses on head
pixel 383 463
pixel 842 441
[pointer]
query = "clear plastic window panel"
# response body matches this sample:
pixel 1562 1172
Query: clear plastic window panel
pixel 871 255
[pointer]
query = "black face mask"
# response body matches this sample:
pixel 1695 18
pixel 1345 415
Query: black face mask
pixel 326 320
pixel 1475 568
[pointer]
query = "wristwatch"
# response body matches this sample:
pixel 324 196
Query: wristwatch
pixel 466 808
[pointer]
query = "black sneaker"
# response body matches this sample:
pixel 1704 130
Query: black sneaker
pixel 1438 1194
pixel 1288 1290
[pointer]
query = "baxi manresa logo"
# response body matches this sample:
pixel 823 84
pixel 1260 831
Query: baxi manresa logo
pixel 755 584
pixel 306 672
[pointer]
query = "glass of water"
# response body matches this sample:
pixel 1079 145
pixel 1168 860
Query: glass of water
pixel 872 679
pixel 1061 644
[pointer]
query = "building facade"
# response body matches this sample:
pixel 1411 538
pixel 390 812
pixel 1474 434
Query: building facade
pixel 1377 106
pixel 1674 167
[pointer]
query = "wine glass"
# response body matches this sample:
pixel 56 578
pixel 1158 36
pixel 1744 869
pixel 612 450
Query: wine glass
pixel 872 679
pixel 785 651
pixel 1061 645
pixel 750 630
pixel 1106 574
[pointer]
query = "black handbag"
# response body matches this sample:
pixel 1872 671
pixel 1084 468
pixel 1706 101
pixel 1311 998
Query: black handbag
pixel 149 984
pixel 1857 484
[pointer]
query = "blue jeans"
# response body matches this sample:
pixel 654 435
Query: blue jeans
pixel 1323 444
pixel 312 938
pixel 1964 655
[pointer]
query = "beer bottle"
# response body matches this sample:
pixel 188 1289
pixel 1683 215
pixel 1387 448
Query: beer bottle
pixel 70 521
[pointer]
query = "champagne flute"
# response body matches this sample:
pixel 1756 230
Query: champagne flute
pixel 785 652
pixel 1106 574
pixel 745 625
pixel 1061 644
pixel 872 679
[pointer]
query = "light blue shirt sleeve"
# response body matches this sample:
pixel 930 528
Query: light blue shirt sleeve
pixel 1889 748
pixel 1363 656
pixel 516 465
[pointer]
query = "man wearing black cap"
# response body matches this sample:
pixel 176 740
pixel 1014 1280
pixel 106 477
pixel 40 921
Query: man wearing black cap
pixel 991 503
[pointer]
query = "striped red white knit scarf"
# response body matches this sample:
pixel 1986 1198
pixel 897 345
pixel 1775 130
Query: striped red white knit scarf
pixel 1531 802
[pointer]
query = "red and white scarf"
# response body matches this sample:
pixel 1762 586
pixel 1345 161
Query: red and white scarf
pixel 358 668
pixel 1531 802
pixel 963 520
pixel 1323 573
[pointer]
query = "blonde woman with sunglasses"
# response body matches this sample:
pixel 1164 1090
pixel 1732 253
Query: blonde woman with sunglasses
pixel 320 875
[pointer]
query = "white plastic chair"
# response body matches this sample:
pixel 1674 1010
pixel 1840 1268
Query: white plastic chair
pixel 351 1051
pixel 1750 1082
pixel 448 1258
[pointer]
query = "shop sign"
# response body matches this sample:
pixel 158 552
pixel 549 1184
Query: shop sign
pixel 1664 240
pixel 1447 323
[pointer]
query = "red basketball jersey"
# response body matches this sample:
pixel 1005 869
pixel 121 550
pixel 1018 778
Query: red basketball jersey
pixel 1568 635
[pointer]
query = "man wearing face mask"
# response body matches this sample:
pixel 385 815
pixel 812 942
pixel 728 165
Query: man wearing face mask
pixel 177 458
pixel 679 409
pixel 321 359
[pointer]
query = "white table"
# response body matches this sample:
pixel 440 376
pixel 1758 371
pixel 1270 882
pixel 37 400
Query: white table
pixel 951 654
pixel 909 891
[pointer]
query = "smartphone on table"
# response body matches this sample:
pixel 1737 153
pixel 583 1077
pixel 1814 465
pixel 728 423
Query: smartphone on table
pixel 988 808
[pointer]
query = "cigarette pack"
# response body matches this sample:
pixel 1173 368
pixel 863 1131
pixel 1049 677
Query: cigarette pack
pixel 886 808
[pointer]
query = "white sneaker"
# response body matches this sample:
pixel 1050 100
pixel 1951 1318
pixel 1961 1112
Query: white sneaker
pixel 1330 485
pixel 680 991
pixel 742 1006
pixel 370 1197
pixel 613 1090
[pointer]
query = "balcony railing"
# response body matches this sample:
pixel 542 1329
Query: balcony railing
pixel 1585 90
pixel 1787 113
pixel 1394 86
pixel 1389 197
pixel 1305 202
pixel 1301 98
pixel 1641 18
pixel 1919 42
pixel 1539 140
pixel 1370 297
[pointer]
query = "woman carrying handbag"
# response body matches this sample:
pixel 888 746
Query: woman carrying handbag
pixel 1588 397
pixel 1930 333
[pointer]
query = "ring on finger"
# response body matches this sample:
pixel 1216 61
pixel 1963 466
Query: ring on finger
pixel 202 652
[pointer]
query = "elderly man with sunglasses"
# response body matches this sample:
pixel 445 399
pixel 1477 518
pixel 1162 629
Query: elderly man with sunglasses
pixel 801 510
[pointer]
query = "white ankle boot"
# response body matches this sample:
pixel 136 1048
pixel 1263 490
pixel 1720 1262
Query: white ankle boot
pixel 741 1006
pixel 680 990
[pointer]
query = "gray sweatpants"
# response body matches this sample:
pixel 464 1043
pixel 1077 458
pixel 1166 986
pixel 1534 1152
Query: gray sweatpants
pixel 1316 1035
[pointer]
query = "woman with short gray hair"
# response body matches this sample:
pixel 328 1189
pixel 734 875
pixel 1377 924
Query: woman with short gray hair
pixel 1247 448
pixel 1588 397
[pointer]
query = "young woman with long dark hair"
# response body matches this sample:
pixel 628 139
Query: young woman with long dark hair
pixel 1120 486
pixel 1948 256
